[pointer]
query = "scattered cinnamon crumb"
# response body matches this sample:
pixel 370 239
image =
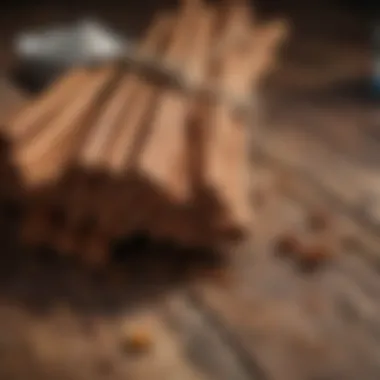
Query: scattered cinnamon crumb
pixel 137 341
pixel 309 256
pixel 313 257
pixel 288 245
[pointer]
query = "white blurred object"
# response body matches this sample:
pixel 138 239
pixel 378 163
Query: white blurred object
pixel 44 54
pixel 85 41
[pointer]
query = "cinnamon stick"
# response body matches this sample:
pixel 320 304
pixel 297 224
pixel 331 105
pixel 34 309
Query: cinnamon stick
pixel 115 210
pixel 121 161
pixel 43 157
pixel 104 140
pixel 150 198
pixel 130 218
pixel 228 169
pixel 34 228
pixel 94 149
pixel 47 163
pixel 235 21
pixel 33 117
pixel 43 217
pixel 161 158
pixel 178 225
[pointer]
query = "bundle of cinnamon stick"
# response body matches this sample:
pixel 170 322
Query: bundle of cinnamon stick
pixel 107 152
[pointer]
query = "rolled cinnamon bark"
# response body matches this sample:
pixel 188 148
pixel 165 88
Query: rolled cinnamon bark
pixel 33 118
pixel 186 224
pixel 65 239
pixel 43 158
pixel 43 216
pixel 114 139
pixel 174 221
pixel 122 214
pixel 228 169
pixel 127 218
pixel 174 56
pixel 56 144
pixel 118 214
pixel 150 197
pixel 256 62
pixel 162 158
pixel 234 26
pixel 117 206
pixel 96 146
pixel 34 228
pixel 81 206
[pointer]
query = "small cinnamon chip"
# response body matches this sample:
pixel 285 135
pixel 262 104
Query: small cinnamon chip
pixel 288 245
pixel 137 341
pixel 309 256
pixel 313 257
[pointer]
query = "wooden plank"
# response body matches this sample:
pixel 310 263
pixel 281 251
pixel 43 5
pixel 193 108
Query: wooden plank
pixel 350 181
pixel 293 323
pixel 202 341
pixel 102 353
pixel 312 194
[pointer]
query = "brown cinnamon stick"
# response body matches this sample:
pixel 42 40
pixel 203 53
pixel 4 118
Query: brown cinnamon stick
pixel 91 155
pixel 126 216
pixel 33 118
pixel 121 213
pixel 256 61
pixel 43 217
pixel 150 198
pixel 235 21
pixel 94 149
pixel 43 166
pixel 119 150
pixel 104 138
pixel 65 239
pixel 174 56
pixel 115 213
pixel 162 159
pixel 35 226
pixel 228 162
pixel 43 158
pixel 177 225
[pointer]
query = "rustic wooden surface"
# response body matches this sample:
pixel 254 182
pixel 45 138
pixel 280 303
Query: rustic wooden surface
pixel 262 318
